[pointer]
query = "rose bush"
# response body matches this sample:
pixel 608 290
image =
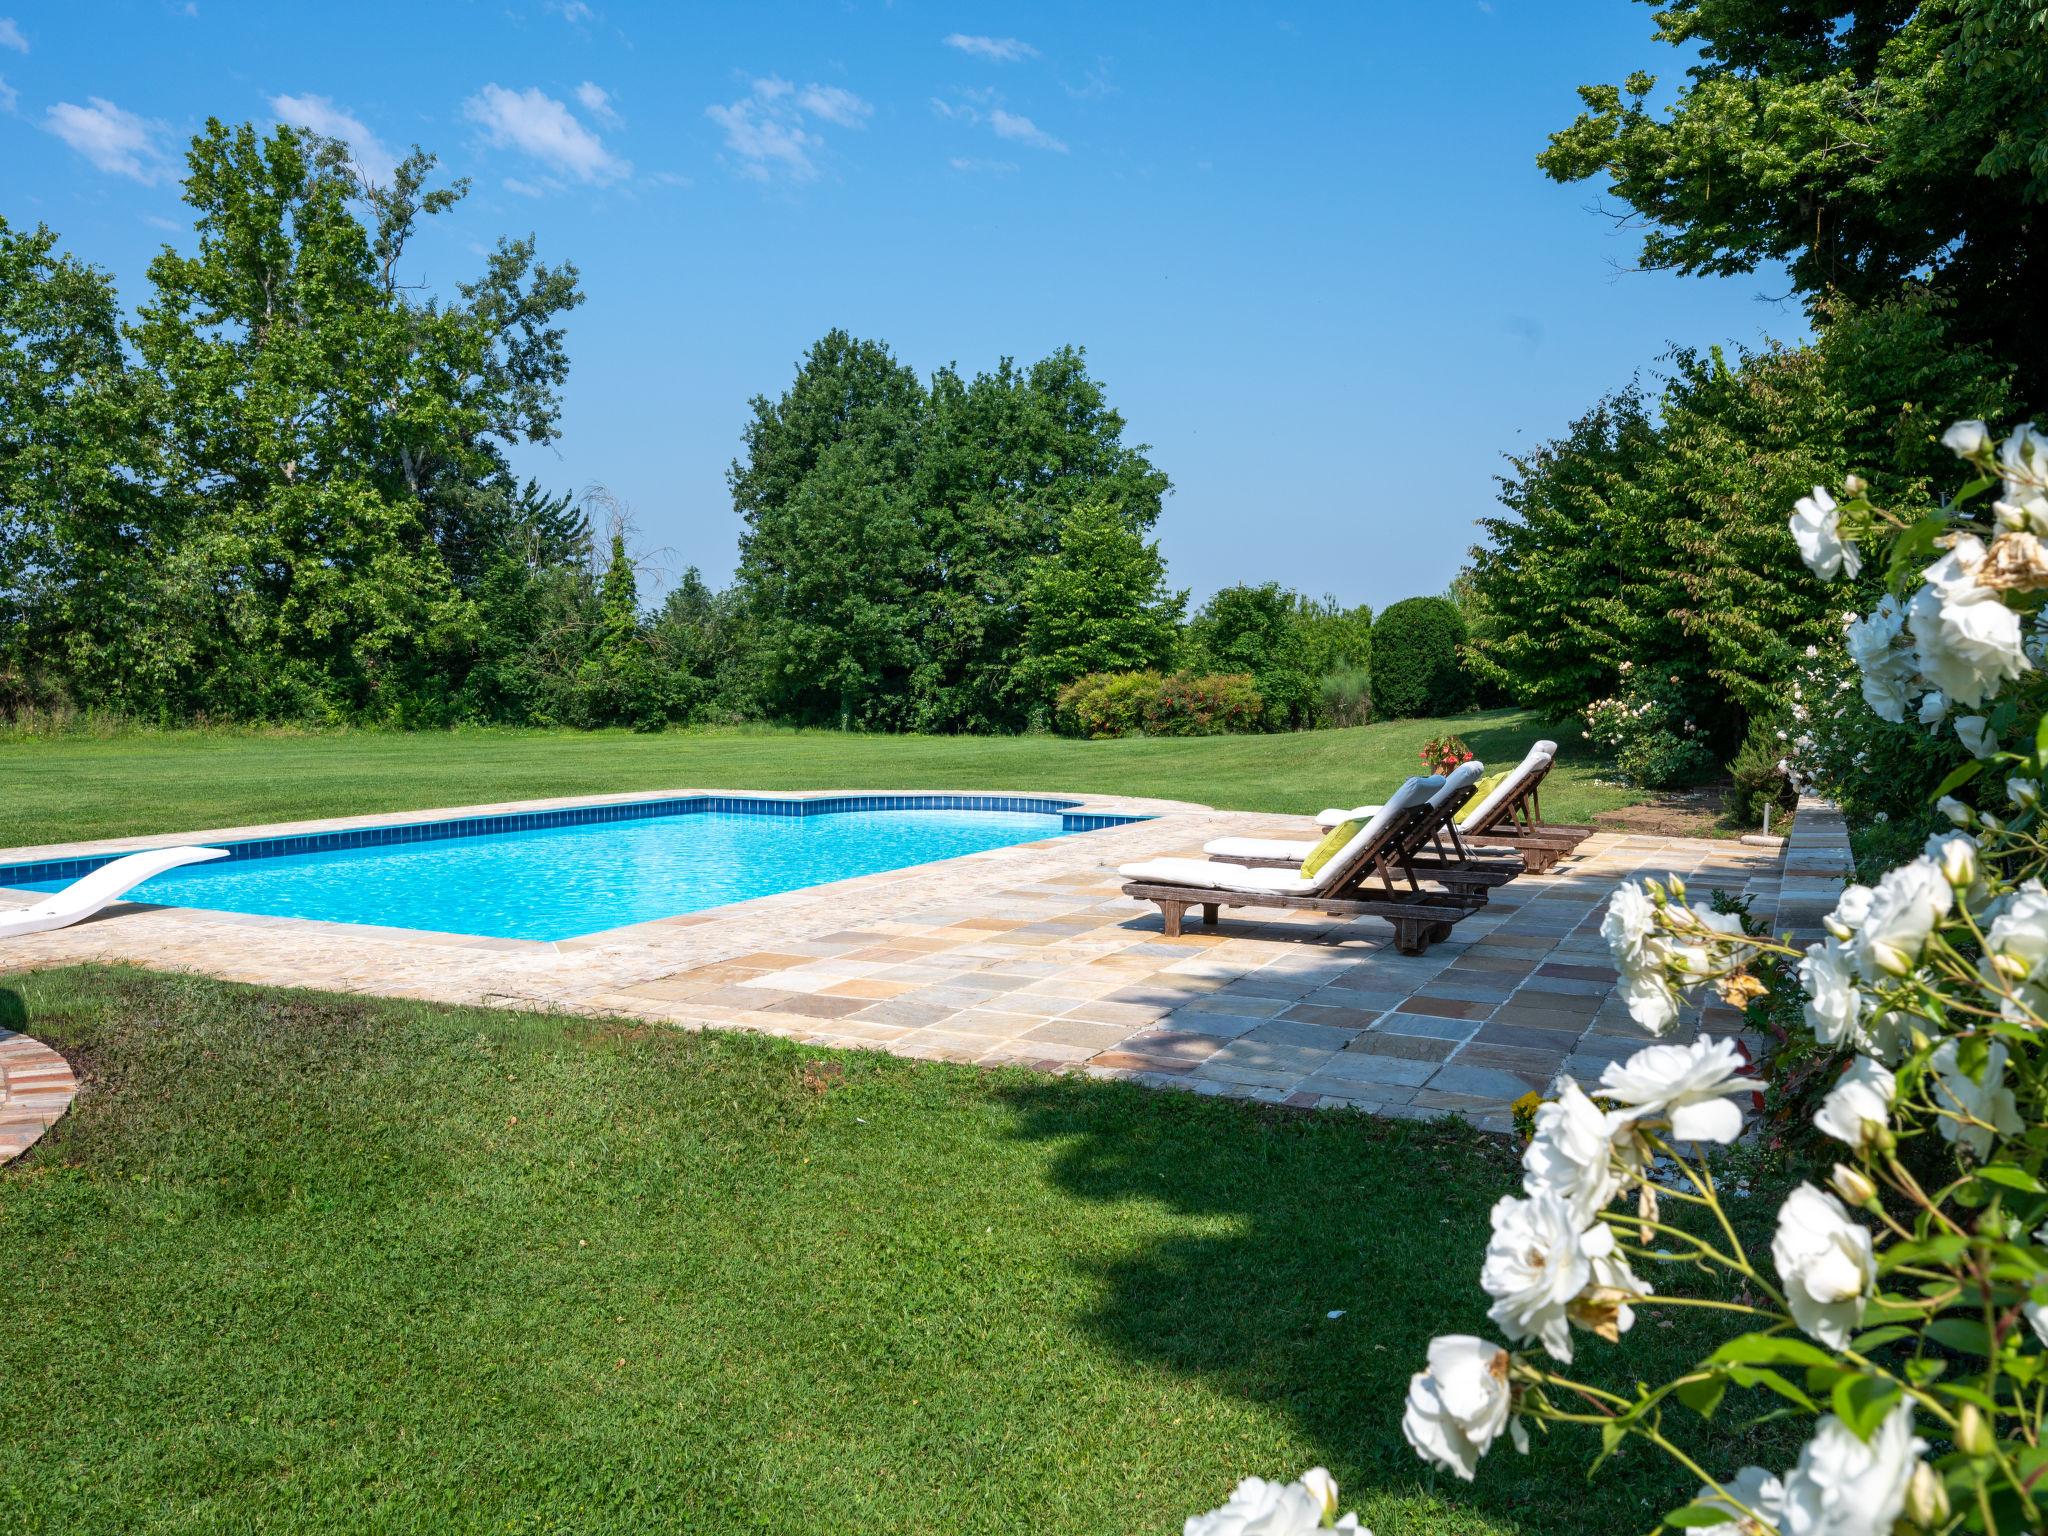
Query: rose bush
pixel 1902 1311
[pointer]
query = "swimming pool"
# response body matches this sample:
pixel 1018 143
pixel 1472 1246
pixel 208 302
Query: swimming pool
pixel 561 874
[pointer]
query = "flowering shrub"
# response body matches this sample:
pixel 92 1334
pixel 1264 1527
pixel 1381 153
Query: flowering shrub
pixel 1902 1315
pixel 1174 704
pixel 1645 729
pixel 1440 754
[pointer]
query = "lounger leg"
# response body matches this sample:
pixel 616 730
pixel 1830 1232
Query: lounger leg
pixel 1411 936
pixel 1209 914
pixel 1169 913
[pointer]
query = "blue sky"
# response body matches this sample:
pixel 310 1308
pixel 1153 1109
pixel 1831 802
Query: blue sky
pixel 1306 247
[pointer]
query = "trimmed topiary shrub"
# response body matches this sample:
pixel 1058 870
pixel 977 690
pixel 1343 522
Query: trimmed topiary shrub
pixel 1415 665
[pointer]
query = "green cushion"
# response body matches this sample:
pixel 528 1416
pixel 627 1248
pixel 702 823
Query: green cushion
pixel 1326 850
pixel 1480 791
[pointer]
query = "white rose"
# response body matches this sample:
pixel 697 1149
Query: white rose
pixel 1955 810
pixel 1817 530
pixel 1904 907
pixel 1967 439
pixel 1834 1005
pixel 1689 1085
pixel 1752 1489
pixel 1887 672
pixel 1651 1001
pixel 1859 1106
pixel 1260 1508
pixel 2023 793
pixel 1536 1266
pixel 1458 1407
pixel 1933 708
pixel 1629 926
pixel 1968 641
pixel 2016 948
pixel 1571 1155
pixel 1826 1262
pixel 1986 1104
pixel 1976 735
pixel 2023 459
pixel 1843 1486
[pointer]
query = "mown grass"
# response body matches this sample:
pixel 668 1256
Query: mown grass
pixel 83 786
pixel 303 1262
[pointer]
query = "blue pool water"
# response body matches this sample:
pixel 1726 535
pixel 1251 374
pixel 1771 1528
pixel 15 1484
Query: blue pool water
pixel 558 882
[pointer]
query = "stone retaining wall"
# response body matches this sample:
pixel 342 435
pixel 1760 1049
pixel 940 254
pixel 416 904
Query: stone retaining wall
pixel 1817 865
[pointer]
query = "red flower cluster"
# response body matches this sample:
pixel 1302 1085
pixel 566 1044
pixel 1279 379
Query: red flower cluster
pixel 1440 754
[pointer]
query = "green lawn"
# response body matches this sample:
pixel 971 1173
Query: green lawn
pixel 69 787
pixel 301 1262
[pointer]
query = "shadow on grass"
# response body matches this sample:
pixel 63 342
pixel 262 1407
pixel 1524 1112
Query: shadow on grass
pixel 1290 1218
pixel 13 1011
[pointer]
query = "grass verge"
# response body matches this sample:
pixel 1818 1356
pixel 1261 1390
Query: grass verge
pixel 307 1262
pixel 74 787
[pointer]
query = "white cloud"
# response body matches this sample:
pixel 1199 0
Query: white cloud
pixel 597 101
pixel 524 188
pixel 768 128
pixel 536 124
pixel 10 98
pixel 10 35
pixel 1003 50
pixel 323 117
pixel 1021 130
pixel 969 165
pixel 575 12
pixel 170 226
pixel 118 142
pixel 835 105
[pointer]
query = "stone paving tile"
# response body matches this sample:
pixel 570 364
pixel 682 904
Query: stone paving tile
pixel 1031 956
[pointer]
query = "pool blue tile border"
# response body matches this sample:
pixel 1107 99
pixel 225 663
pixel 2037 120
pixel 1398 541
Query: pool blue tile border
pixel 1071 820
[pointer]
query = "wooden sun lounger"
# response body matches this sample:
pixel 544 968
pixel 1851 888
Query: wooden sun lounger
pixel 1518 824
pixel 1371 887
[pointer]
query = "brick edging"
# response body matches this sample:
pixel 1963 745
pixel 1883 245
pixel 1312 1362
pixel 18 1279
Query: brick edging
pixel 36 1087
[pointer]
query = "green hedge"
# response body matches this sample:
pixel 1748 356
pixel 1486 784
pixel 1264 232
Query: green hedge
pixel 1155 704
pixel 1415 667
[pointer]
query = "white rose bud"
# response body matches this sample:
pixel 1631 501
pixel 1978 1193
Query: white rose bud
pixel 1852 1184
pixel 1955 810
pixel 1957 857
pixel 1973 1435
pixel 1927 1498
pixel 2024 793
pixel 1854 486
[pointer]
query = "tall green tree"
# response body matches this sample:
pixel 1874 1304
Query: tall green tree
pixel 891 530
pixel 1259 630
pixel 76 525
pixel 1876 150
pixel 1098 603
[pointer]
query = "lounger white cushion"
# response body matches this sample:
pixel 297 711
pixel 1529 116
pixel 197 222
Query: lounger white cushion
pixel 1284 848
pixel 1259 848
pixel 1207 875
pixel 87 894
pixel 1539 756
pixel 1541 752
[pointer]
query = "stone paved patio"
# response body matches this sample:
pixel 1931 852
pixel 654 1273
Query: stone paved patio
pixel 1028 955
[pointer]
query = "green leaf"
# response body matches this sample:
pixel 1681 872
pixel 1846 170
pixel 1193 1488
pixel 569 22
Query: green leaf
pixel 1703 1395
pixel 1770 1381
pixel 1960 775
pixel 1960 1333
pixel 1975 488
pixel 1877 1338
pixel 1913 549
pixel 1769 1349
pixel 2005 1173
pixel 1697 1514
pixel 1861 1402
